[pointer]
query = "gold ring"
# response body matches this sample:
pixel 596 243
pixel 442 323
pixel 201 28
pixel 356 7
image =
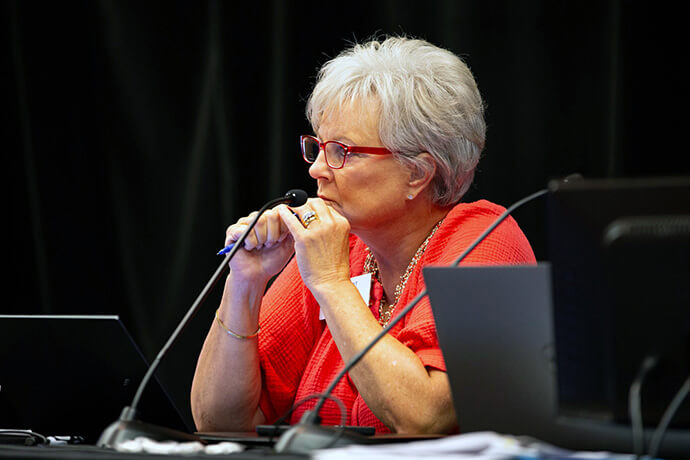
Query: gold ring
pixel 308 218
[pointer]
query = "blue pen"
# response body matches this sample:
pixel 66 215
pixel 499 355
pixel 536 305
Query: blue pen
pixel 229 247
pixel 226 249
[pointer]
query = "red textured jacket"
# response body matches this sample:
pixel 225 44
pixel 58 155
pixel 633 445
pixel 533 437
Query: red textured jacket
pixel 298 355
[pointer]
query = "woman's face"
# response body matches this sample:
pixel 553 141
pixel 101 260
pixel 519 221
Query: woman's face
pixel 369 190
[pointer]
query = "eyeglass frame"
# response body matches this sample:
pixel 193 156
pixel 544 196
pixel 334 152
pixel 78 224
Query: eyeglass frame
pixel 348 150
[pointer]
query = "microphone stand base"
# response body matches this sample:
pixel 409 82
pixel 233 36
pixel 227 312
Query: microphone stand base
pixel 305 438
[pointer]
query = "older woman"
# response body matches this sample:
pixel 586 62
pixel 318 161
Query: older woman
pixel 398 131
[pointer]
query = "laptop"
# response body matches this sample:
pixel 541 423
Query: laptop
pixel 72 376
pixel 495 328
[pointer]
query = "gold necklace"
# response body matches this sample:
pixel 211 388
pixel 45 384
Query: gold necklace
pixel 371 266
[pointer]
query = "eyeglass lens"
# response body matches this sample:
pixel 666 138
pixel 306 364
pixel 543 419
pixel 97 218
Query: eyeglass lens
pixel 335 153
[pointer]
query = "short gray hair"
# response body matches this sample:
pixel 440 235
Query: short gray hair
pixel 429 102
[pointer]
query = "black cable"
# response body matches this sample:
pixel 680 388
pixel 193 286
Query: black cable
pixel 635 404
pixel 670 411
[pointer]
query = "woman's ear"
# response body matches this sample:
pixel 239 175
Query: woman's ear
pixel 421 175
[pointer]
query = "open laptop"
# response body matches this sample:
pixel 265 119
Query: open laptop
pixel 495 328
pixel 72 376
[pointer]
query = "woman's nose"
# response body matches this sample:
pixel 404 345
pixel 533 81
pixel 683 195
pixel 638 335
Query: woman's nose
pixel 319 168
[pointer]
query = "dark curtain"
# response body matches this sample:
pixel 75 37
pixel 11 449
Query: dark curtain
pixel 137 131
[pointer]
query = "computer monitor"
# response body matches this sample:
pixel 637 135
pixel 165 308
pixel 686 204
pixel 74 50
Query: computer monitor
pixel 620 255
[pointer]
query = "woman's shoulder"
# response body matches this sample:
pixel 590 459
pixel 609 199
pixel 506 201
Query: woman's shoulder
pixel 466 221
pixel 476 210
pixel 469 220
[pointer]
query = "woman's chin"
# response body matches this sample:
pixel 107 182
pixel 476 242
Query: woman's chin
pixel 332 204
pixel 339 209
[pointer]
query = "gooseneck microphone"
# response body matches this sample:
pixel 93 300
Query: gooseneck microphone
pixel 127 426
pixel 307 435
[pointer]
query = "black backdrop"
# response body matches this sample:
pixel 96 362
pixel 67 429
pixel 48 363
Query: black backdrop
pixel 137 131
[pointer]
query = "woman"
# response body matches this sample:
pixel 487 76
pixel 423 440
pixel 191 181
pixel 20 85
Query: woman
pixel 398 133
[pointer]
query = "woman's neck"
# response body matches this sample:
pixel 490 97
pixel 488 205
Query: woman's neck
pixel 395 245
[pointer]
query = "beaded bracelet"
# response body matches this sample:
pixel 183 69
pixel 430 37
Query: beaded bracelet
pixel 237 336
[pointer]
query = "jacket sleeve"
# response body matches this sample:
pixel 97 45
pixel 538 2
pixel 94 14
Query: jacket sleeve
pixel 289 329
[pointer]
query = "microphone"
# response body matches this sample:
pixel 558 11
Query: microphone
pixel 127 426
pixel 307 435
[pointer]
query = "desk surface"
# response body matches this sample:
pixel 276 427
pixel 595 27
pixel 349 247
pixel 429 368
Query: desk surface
pixel 258 447
pixel 253 439
pixel 97 453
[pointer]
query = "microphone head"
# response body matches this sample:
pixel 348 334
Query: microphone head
pixel 572 177
pixel 555 184
pixel 296 197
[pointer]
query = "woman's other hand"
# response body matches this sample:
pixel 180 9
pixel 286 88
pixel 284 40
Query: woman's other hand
pixel 265 251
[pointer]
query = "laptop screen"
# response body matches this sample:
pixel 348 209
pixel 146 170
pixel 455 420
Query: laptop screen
pixel 73 375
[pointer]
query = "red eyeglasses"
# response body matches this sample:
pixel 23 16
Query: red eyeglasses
pixel 336 152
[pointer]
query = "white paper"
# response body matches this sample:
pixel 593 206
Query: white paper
pixel 147 445
pixel 469 446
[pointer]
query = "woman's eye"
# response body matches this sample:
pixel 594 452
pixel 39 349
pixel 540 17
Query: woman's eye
pixel 336 151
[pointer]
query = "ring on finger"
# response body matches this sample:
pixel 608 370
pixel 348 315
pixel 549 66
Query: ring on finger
pixel 308 218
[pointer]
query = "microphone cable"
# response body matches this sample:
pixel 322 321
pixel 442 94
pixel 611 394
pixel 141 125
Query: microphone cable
pixel 341 407
pixel 635 404
pixel 635 410
pixel 658 437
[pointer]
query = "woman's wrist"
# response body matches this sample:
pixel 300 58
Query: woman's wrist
pixel 246 283
pixel 242 298
pixel 330 287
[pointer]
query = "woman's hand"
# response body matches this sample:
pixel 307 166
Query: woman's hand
pixel 265 251
pixel 321 249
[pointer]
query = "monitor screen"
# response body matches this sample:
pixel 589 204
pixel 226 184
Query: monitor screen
pixel 620 255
